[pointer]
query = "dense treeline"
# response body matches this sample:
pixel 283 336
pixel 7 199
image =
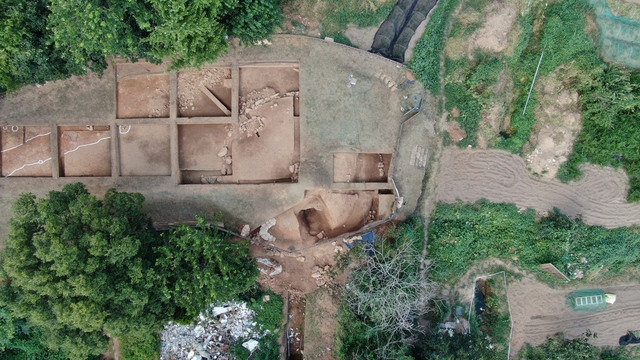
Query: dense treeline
pixel 81 270
pixel 44 40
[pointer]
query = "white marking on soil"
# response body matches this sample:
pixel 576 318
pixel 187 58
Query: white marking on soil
pixel 26 141
pixel 84 145
pixel 39 162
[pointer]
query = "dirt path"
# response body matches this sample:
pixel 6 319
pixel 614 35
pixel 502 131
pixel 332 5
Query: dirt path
pixel 539 311
pixel 499 176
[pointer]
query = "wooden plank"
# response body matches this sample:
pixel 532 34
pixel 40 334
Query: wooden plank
pixel 215 100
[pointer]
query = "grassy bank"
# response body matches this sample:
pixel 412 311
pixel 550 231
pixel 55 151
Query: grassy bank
pixel 462 234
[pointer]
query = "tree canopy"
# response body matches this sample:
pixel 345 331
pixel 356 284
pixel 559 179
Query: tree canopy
pixel 81 270
pixel 46 40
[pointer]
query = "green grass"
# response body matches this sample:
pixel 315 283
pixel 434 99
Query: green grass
pixel 338 14
pixel 426 55
pixel 269 316
pixel 495 321
pixel 564 41
pixel 610 134
pixel 461 235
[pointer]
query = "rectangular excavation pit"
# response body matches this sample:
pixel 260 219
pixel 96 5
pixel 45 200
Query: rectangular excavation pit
pixel 84 150
pixel 142 91
pixel 204 153
pixel 267 147
pixel 361 167
pixel 204 93
pixel 144 150
pixel 26 151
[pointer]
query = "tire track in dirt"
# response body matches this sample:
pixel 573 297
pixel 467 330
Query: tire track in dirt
pixel 499 176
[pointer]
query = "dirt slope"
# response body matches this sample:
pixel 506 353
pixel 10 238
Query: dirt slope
pixel 499 176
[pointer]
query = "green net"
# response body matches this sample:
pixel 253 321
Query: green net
pixel 589 300
pixel 619 34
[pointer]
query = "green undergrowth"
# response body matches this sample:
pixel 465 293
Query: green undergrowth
pixel 338 14
pixel 610 133
pixel 461 235
pixel 268 307
pixel 426 55
pixel 558 347
pixel 558 30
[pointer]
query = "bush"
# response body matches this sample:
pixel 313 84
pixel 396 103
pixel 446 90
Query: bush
pixel 426 55
pixel 461 234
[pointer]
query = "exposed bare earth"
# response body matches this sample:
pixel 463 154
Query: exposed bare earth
pixel 539 311
pixel 499 176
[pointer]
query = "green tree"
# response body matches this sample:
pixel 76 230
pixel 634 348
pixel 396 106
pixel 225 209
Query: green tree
pixel 188 33
pixel 18 340
pixel 88 32
pixel 26 53
pixel 80 268
pixel 252 20
pixel 200 266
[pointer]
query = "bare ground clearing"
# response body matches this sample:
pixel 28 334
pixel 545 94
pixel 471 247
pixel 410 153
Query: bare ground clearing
pixel 539 311
pixel 499 176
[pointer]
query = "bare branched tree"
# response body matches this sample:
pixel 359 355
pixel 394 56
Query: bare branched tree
pixel 391 291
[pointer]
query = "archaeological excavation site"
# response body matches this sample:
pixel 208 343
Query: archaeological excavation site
pixel 295 143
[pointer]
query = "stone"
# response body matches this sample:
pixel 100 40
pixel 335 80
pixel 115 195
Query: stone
pixel 300 258
pixel 245 230
pixel 190 354
pixel 224 151
pixel 228 160
pixel 219 310
pixel 250 345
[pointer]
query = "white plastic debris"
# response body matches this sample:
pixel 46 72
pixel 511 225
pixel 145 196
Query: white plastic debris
pixel 250 345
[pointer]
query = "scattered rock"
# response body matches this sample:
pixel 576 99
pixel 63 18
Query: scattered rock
pixel 264 230
pixel 209 338
pixel 224 151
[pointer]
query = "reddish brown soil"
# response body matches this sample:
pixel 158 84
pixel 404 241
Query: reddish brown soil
pixel 199 146
pixel 85 152
pixel 144 150
pixel 143 96
pixel 26 151
pixel 327 214
pixel 499 176
pixel 359 167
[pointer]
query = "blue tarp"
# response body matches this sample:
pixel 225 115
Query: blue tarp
pixel 368 238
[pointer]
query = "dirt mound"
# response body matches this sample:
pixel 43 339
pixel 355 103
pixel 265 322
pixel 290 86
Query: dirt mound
pixel 499 176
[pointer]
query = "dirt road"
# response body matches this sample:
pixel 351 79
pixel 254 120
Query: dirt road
pixel 498 176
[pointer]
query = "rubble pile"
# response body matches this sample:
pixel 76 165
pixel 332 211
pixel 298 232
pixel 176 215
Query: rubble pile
pixel 189 83
pixel 212 334
pixel 321 275
pixel 251 125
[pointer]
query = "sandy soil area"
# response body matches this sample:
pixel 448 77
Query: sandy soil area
pixel 539 311
pixel 499 176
